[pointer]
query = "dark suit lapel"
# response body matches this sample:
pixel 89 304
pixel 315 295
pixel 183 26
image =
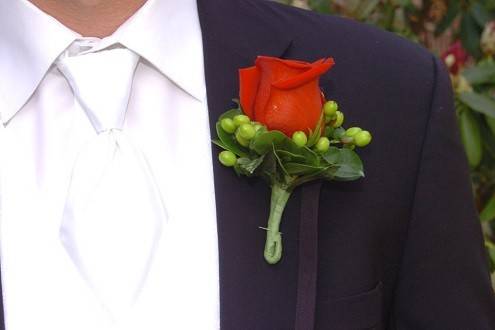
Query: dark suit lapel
pixel 253 294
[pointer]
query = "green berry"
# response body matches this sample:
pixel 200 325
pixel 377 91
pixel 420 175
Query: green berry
pixel 228 125
pixel 339 120
pixel 241 119
pixel 227 158
pixel 242 141
pixel 246 131
pixel 323 144
pixel 351 132
pixel 362 138
pixel 257 126
pixel 328 119
pixel 300 138
pixel 330 108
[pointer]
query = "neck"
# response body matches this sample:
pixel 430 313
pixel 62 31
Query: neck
pixel 90 18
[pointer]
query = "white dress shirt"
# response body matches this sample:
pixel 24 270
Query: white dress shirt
pixel 41 134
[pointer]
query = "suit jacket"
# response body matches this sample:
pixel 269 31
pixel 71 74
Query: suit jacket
pixel 399 249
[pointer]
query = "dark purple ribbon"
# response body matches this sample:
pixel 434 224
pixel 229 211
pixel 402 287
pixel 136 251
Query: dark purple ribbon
pixel 308 257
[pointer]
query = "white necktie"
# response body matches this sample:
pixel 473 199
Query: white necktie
pixel 108 237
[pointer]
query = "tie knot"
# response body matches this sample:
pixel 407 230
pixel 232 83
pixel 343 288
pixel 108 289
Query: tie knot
pixel 101 82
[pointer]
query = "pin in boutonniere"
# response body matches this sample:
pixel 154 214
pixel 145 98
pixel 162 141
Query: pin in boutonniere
pixel 286 132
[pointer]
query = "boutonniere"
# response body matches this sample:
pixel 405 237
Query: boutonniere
pixel 285 132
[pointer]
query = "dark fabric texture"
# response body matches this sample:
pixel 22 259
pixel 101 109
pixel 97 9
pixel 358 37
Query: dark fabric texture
pixel 400 249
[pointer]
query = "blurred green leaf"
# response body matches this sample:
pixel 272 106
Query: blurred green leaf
pixel 491 123
pixel 471 137
pixel 365 8
pixel 488 213
pixel 470 35
pixel 487 138
pixel 480 14
pixel 453 11
pixel 322 6
pixel 480 74
pixel 491 250
pixel 479 103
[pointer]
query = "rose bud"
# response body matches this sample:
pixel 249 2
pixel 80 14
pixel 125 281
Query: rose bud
pixel 455 57
pixel 488 39
pixel 282 94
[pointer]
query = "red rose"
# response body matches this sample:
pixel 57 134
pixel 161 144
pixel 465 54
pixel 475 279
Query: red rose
pixel 284 95
pixel 455 57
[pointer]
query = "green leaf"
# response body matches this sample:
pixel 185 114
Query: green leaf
pixel 470 35
pixel 229 142
pixel 309 156
pixel 322 6
pixel 491 124
pixel 264 142
pixel 488 212
pixel 365 8
pixel 316 134
pixel 268 169
pixel 219 143
pixel 348 165
pixel 303 169
pixel 338 133
pixel 248 166
pixel 487 137
pixel 491 250
pixel 279 162
pixel 344 172
pixel 287 156
pixel 471 137
pixel 453 11
pixel 480 103
pixel 480 14
pixel 480 74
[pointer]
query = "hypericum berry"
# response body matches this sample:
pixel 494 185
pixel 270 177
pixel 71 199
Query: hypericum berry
pixel 257 126
pixel 300 138
pixel 323 144
pixel 330 108
pixel 362 138
pixel 241 119
pixel 227 158
pixel 351 132
pixel 242 141
pixel 246 131
pixel 339 120
pixel 228 125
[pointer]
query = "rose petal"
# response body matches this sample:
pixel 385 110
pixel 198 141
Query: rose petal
pixel 317 69
pixel 290 63
pixel 249 79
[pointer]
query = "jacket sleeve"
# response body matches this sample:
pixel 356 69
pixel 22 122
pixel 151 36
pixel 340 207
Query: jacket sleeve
pixel 444 281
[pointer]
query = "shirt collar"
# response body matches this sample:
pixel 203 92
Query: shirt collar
pixel 29 43
pixel 164 32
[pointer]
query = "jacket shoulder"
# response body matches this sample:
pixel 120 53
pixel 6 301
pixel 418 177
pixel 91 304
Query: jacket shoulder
pixel 343 38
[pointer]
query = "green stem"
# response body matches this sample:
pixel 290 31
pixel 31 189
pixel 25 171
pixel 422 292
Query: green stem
pixel 273 246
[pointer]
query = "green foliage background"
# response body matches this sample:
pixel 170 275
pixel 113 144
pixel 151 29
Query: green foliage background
pixel 437 24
